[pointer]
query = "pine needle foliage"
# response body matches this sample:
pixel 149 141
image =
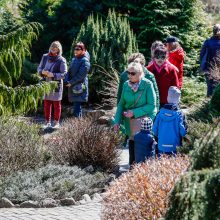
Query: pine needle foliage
pixel 14 48
pixel 196 196
pixel 206 153
pixel 109 43
pixel 22 99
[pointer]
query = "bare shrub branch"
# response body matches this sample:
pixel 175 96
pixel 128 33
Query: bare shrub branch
pixel 83 142
pixel 143 192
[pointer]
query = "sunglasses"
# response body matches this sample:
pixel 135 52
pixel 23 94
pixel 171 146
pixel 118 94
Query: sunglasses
pixel 131 73
pixel 162 57
pixel 77 48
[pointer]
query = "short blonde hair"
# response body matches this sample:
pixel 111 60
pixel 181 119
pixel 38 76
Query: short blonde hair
pixel 135 67
pixel 58 45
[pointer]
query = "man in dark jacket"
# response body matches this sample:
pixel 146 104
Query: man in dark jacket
pixel 210 60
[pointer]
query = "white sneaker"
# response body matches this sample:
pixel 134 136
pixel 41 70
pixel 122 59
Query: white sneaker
pixel 56 125
pixel 47 125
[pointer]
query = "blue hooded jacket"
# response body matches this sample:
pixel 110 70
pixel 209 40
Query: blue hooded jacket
pixel 169 128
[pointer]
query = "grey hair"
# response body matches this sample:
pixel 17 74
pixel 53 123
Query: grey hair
pixel 134 56
pixel 136 67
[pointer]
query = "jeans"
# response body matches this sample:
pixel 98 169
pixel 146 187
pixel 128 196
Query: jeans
pixel 77 109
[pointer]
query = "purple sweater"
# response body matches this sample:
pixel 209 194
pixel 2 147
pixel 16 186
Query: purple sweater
pixel 59 68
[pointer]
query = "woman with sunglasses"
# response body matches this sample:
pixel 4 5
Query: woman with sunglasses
pixel 137 100
pixel 77 79
pixel 164 72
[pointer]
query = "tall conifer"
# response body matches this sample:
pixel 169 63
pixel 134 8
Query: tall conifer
pixel 109 44
pixel 14 47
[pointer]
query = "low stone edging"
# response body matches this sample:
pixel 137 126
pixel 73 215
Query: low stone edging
pixel 49 202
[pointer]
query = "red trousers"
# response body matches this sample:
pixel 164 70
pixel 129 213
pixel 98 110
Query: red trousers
pixel 48 109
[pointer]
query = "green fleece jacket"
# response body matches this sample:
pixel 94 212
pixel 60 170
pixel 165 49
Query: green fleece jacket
pixel 146 105
pixel 149 76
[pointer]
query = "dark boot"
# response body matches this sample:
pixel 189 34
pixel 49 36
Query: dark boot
pixel 131 152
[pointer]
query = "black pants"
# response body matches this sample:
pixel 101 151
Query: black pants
pixel 131 152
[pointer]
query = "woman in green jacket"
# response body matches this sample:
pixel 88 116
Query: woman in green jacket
pixel 138 57
pixel 137 100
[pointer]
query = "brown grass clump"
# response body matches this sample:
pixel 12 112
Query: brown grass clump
pixel 83 142
pixel 143 193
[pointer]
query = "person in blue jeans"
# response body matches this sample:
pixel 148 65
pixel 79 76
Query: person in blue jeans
pixel 143 141
pixel 77 79
pixel 170 125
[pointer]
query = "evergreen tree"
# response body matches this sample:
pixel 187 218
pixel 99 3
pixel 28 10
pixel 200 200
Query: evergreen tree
pixel 109 44
pixel 14 47
pixel 156 19
pixel 7 22
pixel 61 20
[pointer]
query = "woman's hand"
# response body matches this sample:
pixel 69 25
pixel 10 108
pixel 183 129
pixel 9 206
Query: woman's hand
pixel 44 73
pixel 68 85
pixel 129 114
pixel 49 74
pixel 116 127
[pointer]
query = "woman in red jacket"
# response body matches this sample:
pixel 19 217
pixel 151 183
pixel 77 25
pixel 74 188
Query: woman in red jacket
pixel 164 72
pixel 176 56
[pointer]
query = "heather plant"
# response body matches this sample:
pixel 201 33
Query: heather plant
pixel 51 181
pixel 21 147
pixel 196 196
pixel 83 142
pixel 143 192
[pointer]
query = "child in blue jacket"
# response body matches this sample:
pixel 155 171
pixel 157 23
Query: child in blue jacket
pixel 169 125
pixel 143 141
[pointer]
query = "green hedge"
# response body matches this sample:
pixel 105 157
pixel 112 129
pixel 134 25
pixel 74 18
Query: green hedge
pixel 196 196
pixel 215 103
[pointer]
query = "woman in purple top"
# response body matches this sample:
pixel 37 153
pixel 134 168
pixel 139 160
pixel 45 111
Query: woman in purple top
pixel 53 68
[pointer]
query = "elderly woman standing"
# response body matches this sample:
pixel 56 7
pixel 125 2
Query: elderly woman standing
pixel 77 79
pixel 53 68
pixel 138 58
pixel 137 100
